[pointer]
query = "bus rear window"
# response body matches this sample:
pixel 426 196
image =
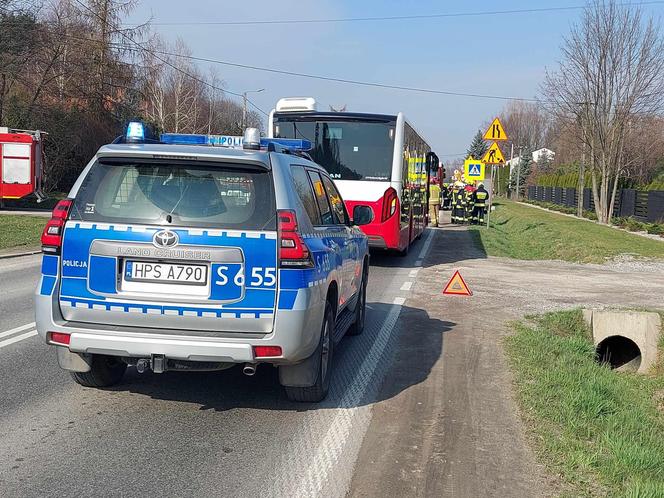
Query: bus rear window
pixel 213 196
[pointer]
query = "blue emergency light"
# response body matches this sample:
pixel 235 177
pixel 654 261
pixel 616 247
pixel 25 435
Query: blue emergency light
pixel 231 141
pixel 288 143
pixel 135 132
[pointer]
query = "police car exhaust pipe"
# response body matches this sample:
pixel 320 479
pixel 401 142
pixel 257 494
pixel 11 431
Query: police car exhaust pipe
pixel 249 369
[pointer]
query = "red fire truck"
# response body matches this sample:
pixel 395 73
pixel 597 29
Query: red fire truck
pixel 21 163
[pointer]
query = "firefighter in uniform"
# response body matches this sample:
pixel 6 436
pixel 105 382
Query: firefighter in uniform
pixel 480 198
pixel 468 195
pixel 434 201
pixel 458 203
pixel 444 196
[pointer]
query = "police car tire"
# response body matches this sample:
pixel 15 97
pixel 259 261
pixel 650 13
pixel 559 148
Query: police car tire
pixel 360 309
pixel 317 392
pixel 104 371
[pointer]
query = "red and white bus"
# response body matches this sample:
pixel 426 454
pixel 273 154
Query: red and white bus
pixel 377 160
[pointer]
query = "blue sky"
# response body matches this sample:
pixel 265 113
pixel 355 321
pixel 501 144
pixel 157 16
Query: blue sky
pixel 494 54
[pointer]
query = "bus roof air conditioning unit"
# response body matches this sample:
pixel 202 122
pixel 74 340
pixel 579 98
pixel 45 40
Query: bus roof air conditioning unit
pixel 296 104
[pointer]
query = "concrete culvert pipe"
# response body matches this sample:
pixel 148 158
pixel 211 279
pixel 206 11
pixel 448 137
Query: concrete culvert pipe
pixel 620 353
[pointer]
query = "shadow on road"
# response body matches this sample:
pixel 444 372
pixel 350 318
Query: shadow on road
pixel 450 244
pixel 360 364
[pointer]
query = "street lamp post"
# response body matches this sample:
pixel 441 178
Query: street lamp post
pixel 244 106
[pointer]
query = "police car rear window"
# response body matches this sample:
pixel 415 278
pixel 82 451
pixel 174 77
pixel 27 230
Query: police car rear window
pixel 212 196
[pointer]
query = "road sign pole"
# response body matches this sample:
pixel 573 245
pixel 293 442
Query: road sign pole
pixel 493 189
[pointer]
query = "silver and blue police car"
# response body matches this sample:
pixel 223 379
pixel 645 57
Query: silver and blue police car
pixel 170 255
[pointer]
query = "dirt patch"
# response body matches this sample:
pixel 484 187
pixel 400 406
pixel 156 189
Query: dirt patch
pixel 658 399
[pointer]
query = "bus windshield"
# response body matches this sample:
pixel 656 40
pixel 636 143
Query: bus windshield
pixel 348 150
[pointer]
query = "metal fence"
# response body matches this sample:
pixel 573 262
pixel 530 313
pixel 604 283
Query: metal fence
pixel 642 205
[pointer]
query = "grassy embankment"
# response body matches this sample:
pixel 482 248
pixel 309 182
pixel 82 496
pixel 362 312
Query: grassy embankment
pixel 600 430
pixel 19 231
pixel 524 232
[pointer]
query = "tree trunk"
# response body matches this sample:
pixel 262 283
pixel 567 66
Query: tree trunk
pixel 581 186
pixel 3 83
pixel 613 198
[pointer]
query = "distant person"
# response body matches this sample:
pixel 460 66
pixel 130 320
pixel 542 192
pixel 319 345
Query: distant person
pixel 458 203
pixel 434 201
pixel 480 198
pixel 468 196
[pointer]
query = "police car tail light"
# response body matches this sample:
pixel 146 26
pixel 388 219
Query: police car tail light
pixel 51 238
pixel 389 203
pixel 292 249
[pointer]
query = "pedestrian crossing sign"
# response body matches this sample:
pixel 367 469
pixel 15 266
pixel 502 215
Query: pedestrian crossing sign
pixel 474 170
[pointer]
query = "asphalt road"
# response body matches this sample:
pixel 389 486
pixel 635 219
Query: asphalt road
pixel 193 434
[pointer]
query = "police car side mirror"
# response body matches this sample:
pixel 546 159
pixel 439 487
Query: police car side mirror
pixel 362 215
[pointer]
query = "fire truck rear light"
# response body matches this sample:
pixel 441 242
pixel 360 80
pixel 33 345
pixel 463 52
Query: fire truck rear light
pixel 267 351
pixel 59 338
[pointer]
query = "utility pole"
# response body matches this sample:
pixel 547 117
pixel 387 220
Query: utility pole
pixel 518 174
pixel 244 106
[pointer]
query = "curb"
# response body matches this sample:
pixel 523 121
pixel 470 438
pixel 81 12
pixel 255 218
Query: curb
pixel 640 234
pixel 20 254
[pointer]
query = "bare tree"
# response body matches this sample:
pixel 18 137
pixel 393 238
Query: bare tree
pixel 612 71
pixel 527 125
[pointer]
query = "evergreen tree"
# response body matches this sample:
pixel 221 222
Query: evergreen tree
pixel 478 147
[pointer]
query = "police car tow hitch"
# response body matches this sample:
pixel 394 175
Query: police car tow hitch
pixel 157 364
pixel 249 369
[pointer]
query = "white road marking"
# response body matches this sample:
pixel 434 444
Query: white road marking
pixel 425 247
pixel 324 463
pixel 418 262
pixel 399 301
pixel 414 272
pixel 17 329
pixel 407 285
pixel 17 338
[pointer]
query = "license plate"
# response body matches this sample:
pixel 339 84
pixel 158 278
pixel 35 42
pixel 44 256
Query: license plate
pixel 142 271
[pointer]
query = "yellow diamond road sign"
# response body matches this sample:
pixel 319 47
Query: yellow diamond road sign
pixel 495 131
pixel 494 155
pixel 474 170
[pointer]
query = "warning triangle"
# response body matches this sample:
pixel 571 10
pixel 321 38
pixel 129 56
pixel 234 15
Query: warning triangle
pixel 495 131
pixel 457 286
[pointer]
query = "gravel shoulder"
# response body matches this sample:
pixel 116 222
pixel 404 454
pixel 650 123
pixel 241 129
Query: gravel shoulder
pixel 458 432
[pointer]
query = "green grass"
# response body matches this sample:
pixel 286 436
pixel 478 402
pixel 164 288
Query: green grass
pixel 20 231
pixel 600 430
pixel 524 232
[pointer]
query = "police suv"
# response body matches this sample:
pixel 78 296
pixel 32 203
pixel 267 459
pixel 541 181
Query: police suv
pixel 169 255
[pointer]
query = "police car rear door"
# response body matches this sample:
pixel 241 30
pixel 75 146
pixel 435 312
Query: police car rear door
pixel 172 243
